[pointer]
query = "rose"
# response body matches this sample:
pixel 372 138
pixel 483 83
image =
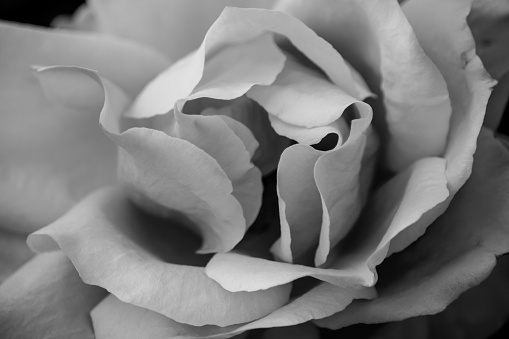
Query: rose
pixel 109 209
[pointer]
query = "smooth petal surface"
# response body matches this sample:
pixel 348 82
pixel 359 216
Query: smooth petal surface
pixel 396 206
pixel 175 27
pixel 447 40
pixel 103 239
pixel 457 252
pixel 236 26
pixel 114 319
pixel 47 299
pixel 43 146
pixel 14 252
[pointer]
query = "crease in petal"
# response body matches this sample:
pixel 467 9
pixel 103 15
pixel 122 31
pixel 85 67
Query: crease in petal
pixel 416 97
pixel 101 236
pixel 42 144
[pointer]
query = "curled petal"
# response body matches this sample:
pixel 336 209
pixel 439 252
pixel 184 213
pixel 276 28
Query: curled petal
pixel 148 164
pixel 47 299
pixel 236 26
pixel 105 237
pixel 396 206
pixel 43 145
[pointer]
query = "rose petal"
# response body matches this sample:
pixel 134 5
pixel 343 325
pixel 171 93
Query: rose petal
pixel 14 252
pixel 47 299
pixel 236 26
pixel 454 255
pixel 397 205
pixel 175 27
pixel 43 146
pixel 344 24
pixel 114 319
pixel 101 237
pixel 448 41
pixel 418 111
pixel 298 93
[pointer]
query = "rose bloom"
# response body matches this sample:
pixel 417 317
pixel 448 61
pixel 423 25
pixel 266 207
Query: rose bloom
pixel 193 172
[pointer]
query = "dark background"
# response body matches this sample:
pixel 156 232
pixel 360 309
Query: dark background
pixel 42 12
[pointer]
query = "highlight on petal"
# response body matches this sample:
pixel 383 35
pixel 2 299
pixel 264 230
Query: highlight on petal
pixel 236 26
pixel 456 253
pixel 397 206
pixel 114 319
pixel 447 40
pixel 47 299
pixel 144 261
pixel 174 27
pixel 51 155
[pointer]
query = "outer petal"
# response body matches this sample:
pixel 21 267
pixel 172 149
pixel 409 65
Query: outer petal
pixel 317 303
pixel 47 299
pixel 447 40
pixel 115 246
pixel 42 145
pixel 457 252
pixel 175 27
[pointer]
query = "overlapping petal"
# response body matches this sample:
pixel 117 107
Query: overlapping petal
pixel 14 252
pixel 457 252
pixel 47 299
pixel 52 156
pixel 317 303
pixel 113 245
pixel 236 26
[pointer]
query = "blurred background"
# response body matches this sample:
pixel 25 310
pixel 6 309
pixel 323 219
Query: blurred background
pixel 37 12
